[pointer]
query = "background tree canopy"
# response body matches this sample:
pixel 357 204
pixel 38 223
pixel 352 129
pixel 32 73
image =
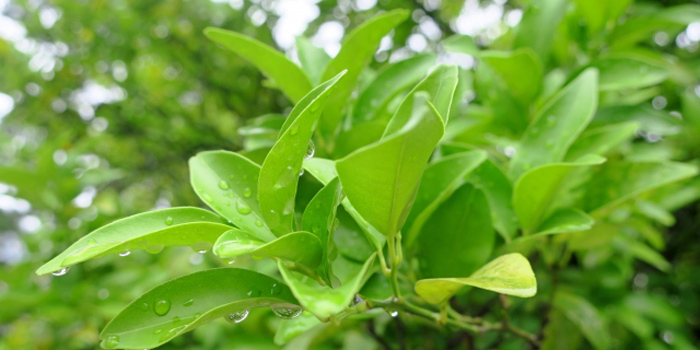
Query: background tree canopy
pixel 102 103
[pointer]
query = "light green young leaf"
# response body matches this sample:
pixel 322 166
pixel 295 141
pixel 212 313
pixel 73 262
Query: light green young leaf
pixel 565 221
pixel 313 58
pixel 458 237
pixel 180 305
pixel 461 44
pixel 523 84
pixel 535 190
pixel 558 124
pixel 358 136
pixel 628 72
pixel 499 191
pixel 388 84
pixel 227 182
pixel 508 274
pixel 299 247
pixel 601 140
pixel 439 181
pixel 439 85
pixel 324 171
pixel 323 301
pixel 614 183
pixel 279 175
pixel 585 316
pixel 381 180
pixel 356 51
pixel 319 218
pixel 287 75
pixel 538 26
pixel 151 230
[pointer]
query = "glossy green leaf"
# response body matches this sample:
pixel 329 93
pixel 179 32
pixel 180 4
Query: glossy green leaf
pixel 313 59
pixel 538 27
pixel 388 84
pixel 381 180
pixel 357 50
pixel 614 183
pixel 151 230
pixel 279 174
pixel 499 191
pixel 458 237
pixel 299 247
pixel 439 85
pixel 628 72
pixel 439 181
pixel 585 316
pixel 183 304
pixel 227 182
pixel 558 124
pixel 508 274
pixel 319 218
pixel 274 64
pixel 523 84
pixel 565 221
pixel 323 301
pixel 601 140
pixel 535 190
pixel 324 171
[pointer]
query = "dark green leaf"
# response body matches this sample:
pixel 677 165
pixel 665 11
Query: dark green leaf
pixel 585 316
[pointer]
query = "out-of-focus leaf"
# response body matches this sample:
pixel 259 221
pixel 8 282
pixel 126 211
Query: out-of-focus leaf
pixel 313 59
pixel 154 229
pixel 381 180
pixel 439 181
pixel 558 124
pixel 628 72
pixel 585 316
pixel 356 51
pixel 650 120
pixel 539 25
pixel 560 333
pixel 499 191
pixel 279 174
pixel 601 140
pixel 565 221
pixel 508 274
pixel 323 301
pixel 299 247
pixel 290 329
pixel 461 44
pixel 458 237
pixel 536 190
pixel 227 182
pixel 520 70
pixel 287 75
pixel 183 304
pixel 359 136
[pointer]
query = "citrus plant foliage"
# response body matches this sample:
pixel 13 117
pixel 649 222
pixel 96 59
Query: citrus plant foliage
pixel 387 194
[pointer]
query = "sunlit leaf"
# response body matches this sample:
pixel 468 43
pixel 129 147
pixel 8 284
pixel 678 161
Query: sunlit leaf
pixel 299 247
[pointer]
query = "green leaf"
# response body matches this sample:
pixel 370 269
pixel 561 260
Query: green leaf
pixel 558 124
pixel 440 86
pixel 183 304
pixel 319 218
pixel 614 183
pixel 585 316
pixel 324 171
pixel 359 136
pixel 279 174
pixel 523 84
pixel 461 44
pixel 357 50
pixel 536 190
pixel 458 237
pixel 439 181
pixel 642 252
pixel 650 120
pixel 565 221
pixel 538 27
pixel 154 229
pixel 227 182
pixel 508 274
pixel 313 59
pixel 287 75
pixel 381 180
pixel 299 247
pixel 499 191
pixel 323 301
pixel 290 329
pixel 628 72
pixel 388 84
pixel 601 140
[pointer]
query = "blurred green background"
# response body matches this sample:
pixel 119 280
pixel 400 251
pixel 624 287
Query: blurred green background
pixel 102 103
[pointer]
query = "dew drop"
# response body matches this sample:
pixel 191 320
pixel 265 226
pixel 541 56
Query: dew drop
pixel 286 311
pixel 237 317
pixel 188 303
pixel 169 221
pixel 243 208
pixel 144 306
pixel 394 313
pixel 223 185
pixel 206 197
pixel 162 307
pixel 310 150
pixel 247 192
pixel 258 223
pixel 60 272
pixel 157 331
pixel 276 289
pixel 294 130
pixel 125 253
pixel 301 172
pixel 155 249
pixel 253 293
pixel 91 242
pixel 112 341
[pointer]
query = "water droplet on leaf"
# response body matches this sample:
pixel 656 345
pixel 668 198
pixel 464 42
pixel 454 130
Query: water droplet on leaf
pixel 243 208
pixel 237 317
pixel 223 185
pixel 286 311
pixel 168 221
pixel 247 192
pixel 125 253
pixel 188 303
pixel 276 289
pixel 162 307
pixel 310 150
pixel 60 272
pixel 112 341
pixel 155 249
